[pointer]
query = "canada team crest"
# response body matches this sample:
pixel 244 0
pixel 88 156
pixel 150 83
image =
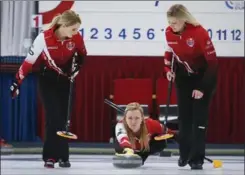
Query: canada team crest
pixel 70 45
pixel 190 42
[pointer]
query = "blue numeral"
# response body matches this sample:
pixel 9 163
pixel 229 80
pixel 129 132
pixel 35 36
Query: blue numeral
pixel 210 33
pixel 82 32
pixel 108 32
pixel 94 32
pixel 136 34
pixel 220 33
pixel 236 35
pixel 123 34
pixel 150 34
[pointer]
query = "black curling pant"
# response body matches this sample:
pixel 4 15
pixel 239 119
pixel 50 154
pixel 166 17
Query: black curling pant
pixel 193 116
pixel 54 92
pixel 155 147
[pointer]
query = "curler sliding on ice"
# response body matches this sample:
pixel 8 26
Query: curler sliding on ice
pixel 137 137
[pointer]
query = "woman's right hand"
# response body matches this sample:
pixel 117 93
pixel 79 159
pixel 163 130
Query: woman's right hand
pixel 15 89
pixel 170 75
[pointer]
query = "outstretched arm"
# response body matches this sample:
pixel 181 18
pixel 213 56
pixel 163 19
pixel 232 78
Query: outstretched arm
pixel 121 136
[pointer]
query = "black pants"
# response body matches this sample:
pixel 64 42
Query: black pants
pixel 54 91
pixel 155 147
pixel 193 115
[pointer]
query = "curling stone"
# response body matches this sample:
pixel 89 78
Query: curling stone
pixel 127 161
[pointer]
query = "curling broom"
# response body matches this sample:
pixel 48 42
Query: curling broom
pixel 216 163
pixel 170 84
pixel 166 135
pixel 67 133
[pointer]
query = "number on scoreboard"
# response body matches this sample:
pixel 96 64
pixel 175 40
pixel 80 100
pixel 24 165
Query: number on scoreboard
pixel 37 21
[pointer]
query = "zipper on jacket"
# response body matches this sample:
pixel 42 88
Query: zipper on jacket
pixel 62 50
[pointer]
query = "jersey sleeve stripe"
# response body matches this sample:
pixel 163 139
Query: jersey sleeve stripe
pixel 50 61
pixel 120 136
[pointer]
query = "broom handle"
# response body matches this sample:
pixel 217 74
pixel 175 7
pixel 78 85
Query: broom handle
pixel 168 97
pixel 209 160
pixel 113 105
pixel 70 99
pixel 167 105
pixel 69 106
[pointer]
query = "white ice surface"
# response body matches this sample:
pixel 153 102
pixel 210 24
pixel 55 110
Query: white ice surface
pixel 101 164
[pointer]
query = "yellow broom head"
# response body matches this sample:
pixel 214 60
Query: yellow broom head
pixel 217 164
pixel 163 137
pixel 66 134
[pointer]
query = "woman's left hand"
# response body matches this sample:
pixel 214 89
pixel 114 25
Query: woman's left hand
pixel 196 94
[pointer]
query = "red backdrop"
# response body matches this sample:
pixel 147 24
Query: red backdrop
pixel 91 117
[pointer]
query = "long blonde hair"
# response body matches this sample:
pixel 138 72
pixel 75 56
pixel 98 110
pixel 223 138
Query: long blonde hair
pixel 181 12
pixel 67 18
pixel 144 140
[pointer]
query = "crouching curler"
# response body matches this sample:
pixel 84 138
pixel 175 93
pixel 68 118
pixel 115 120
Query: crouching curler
pixel 138 137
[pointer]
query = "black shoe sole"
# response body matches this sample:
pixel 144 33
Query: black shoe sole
pixel 65 166
pixel 182 163
pixel 196 167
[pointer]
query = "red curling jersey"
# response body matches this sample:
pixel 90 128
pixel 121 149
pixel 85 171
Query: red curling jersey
pixel 48 50
pixel 194 49
pixel 153 127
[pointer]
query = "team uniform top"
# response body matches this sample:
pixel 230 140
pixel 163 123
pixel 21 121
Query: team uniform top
pixel 153 127
pixel 48 50
pixel 192 48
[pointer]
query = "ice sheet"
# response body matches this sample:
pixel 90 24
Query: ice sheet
pixel 101 164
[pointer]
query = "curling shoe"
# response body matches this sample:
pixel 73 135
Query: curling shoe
pixel 64 164
pixel 182 162
pixel 49 163
pixel 196 165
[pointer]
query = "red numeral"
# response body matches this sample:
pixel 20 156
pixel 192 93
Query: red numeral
pixel 36 19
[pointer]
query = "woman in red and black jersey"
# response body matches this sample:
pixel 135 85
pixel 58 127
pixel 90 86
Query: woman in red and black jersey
pixel 52 54
pixel 195 62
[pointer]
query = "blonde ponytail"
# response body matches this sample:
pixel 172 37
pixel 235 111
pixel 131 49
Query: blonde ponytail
pixel 67 18
pixel 189 18
pixel 54 22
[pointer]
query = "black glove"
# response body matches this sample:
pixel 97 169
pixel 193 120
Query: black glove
pixel 76 69
pixel 14 88
pixel 77 65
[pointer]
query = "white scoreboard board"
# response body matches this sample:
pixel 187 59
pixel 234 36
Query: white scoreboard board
pixel 136 28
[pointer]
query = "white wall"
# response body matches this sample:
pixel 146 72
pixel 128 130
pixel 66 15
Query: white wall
pixel 225 20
